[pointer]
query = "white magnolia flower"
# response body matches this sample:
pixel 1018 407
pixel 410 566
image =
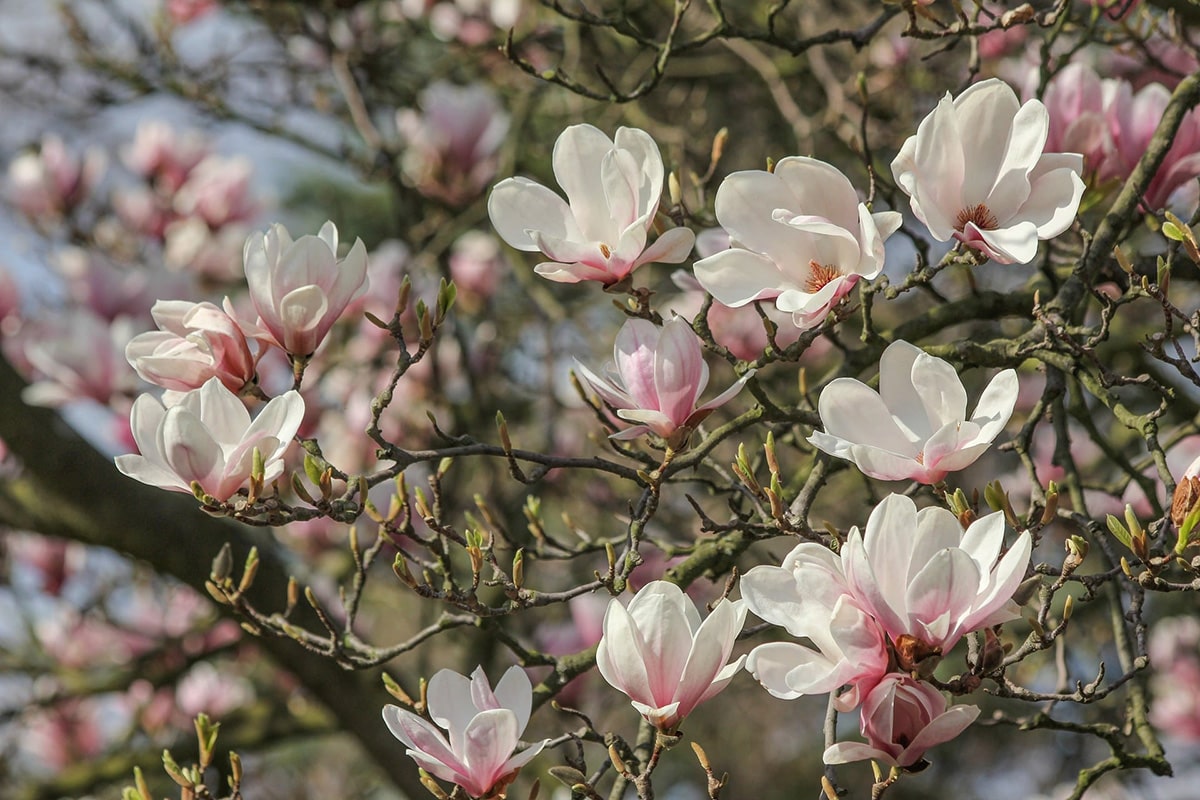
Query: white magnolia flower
pixel 800 237
pixel 599 233
pixel 208 438
pixel 663 657
pixel 975 171
pixel 484 727
pixel 915 427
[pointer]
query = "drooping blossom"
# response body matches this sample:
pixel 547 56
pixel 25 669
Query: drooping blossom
pixel 47 184
pixel 926 581
pixel 915 427
pixel 976 171
pixel 599 233
pixel 659 653
pixel 451 144
pixel 656 379
pixel 482 729
pixel 195 342
pixel 800 238
pixel 807 595
pixel 208 438
pixel 300 288
pixel 902 718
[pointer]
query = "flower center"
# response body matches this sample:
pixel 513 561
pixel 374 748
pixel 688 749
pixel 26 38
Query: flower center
pixel 979 214
pixel 820 276
pixel 920 458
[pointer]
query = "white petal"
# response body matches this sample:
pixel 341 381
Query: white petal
pixel 518 205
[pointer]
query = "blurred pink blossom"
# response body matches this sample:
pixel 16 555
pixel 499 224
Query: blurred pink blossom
pixel 203 689
pixel 218 192
pixel 1174 650
pixel 47 184
pixel 193 247
pixel 182 12
pixel 76 356
pixel 164 155
pixel 451 144
pixel 901 719
pixel 1133 119
pixel 65 734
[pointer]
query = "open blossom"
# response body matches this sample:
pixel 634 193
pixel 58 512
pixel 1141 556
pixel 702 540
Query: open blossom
pixel 196 341
pixel 659 653
pixel 1076 100
pixel 484 727
pixel 656 379
pixel 209 438
pixel 452 143
pixel 915 427
pixel 801 238
pixel 807 596
pixel 599 233
pixel 926 581
pixel 300 288
pixel 76 356
pixel 976 171
pixel 902 718
pixel 217 191
pixel 1133 119
pixel 164 155
pixel 52 181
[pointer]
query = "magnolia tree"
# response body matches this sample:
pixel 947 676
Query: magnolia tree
pixel 891 485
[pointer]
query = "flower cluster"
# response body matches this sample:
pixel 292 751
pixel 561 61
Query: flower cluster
pixel 882 612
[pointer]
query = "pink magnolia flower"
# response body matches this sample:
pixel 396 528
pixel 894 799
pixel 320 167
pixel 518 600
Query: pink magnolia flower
pixel 217 191
pixel 915 427
pixel 452 144
pixel 164 155
pixel 922 578
pixel 195 342
pixel 1076 101
pixel 484 727
pixel 801 238
pixel 656 379
pixel 47 184
pixel 1133 119
pixel 1175 655
pixel 808 596
pixel 901 719
pixel 77 356
pixel 663 657
pixel 192 246
pixel 208 438
pixel 976 171
pixel 599 233
pixel 300 288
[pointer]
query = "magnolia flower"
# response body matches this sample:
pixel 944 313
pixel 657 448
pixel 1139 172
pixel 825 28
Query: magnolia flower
pixel 300 288
pixel 209 439
pixel 452 143
pixel 53 181
pixel 901 719
pixel 656 379
pixel 916 426
pixel 77 356
pixel 975 171
pixel 164 155
pixel 801 238
pixel 195 342
pixel 663 657
pixel 599 233
pixel 926 582
pixel 807 595
pixel 217 191
pixel 1133 120
pixel 484 728
pixel 1075 100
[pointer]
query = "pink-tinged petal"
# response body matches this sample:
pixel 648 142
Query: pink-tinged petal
pixel 189 451
pixel 1006 140
pixel 996 404
pixel 515 693
pixel 853 412
pixel 940 595
pixel 144 419
pixel 519 205
pixel 633 354
pixel 619 178
pixel 574 273
pixel 666 636
pixel 886 465
pixel 1012 245
pixel 224 414
pixel 888 542
pixel 680 372
pixel 942 729
pixel 522 758
pixel 567 251
pixel 723 678
pixel 147 471
pixel 948 441
pixel 482 696
pixel 609 393
pixel 656 421
pixel 935 529
pixel 770 592
pixel 940 389
pixel 818 240
pixel 816 184
pixel 488 742
pixel 939 165
pixel 578 156
pixel 727 395
pixel 631 433
pixel 662 717
pixel 419 735
pixel 448 696
pixel 619 656
pixel 983 539
pixel 1053 202
pixel 788 670
pixel 738 277
pixel 900 395
pixel 849 752
pixel 673 247
pixel 280 418
pixel 959 459
pixel 994 606
pixel 714 641
pixel 350 277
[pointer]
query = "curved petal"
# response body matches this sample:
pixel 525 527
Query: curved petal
pixel 738 277
pixel 818 185
pixel 519 205
pixel 848 752
pixel 996 405
pixel 673 247
pixel 852 411
pixel 1053 202
pixel 578 156
pixel 942 728
pixel 619 655
pixel 899 394
pixel 515 692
